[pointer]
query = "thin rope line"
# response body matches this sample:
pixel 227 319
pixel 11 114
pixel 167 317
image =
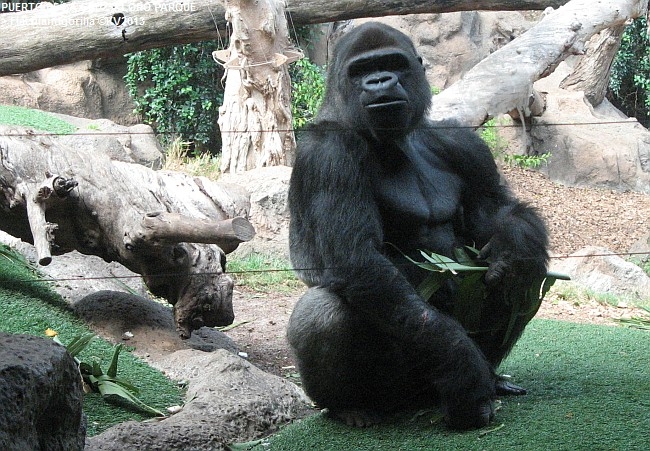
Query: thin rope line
pixel 276 270
pixel 302 130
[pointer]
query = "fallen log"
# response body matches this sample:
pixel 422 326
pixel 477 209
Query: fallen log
pixel 171 228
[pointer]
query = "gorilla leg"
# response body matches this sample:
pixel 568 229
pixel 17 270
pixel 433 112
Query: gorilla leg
pixel 359 370
pixel 344 366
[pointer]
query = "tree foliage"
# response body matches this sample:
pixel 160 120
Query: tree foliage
pixel 178 91
pixel 630 75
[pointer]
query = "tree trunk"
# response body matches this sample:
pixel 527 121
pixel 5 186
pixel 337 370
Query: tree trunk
pixel 591 75
pixel 88 29
pixel 62 198
pixel 255 117
pixel 503 81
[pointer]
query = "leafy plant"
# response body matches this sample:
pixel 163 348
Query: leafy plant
pixel 527 161
pixel 637 322
pixel 630 73
pixel 490 134
pixel 467 272
pixel 307 90
pixel 178 91
pixel 94 378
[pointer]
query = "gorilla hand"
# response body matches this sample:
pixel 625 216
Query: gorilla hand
pixel 500 259
pixel 470 416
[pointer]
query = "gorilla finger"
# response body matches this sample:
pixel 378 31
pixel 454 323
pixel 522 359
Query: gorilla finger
pixel 496 272
pixel 507 388
pixel 485 251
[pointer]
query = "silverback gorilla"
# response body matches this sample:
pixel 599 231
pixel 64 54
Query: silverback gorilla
pixel 373 175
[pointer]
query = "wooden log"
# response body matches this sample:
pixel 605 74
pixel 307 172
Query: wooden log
pixel 87 29
pixel 158 228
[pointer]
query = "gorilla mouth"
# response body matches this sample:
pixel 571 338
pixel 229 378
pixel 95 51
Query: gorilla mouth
pixel 386 102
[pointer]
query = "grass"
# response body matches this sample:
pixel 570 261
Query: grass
pixel 40 120
pixel 588 390
pixel 30 307
pixel 177 159
pixel 263 273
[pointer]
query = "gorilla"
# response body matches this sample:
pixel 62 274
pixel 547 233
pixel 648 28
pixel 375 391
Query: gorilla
pixel 374 181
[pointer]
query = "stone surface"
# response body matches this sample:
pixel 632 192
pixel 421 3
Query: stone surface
pixel 599 270
pixel 607 150
pixel 41 396
pixel 229 401
pixel 269 212
pixel 112 314
pixel 91 89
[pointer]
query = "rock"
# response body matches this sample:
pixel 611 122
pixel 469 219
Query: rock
pixel 269 212
pixel 229 401
pixel 149 325
pixel 130 144
pixel 92 89
pixel 41 396
pixel 608 151
pixel 601 271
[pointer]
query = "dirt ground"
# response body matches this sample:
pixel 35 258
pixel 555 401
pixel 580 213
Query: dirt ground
pixel 576 217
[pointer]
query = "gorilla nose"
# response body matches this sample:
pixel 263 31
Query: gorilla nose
pixel 379 81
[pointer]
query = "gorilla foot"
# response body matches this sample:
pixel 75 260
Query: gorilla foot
pixel 503 387
pixel 355 417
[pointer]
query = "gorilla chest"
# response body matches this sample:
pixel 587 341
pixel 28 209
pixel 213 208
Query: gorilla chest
pixel 415 194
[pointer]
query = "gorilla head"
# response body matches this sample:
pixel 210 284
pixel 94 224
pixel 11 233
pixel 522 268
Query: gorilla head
pixel 380 78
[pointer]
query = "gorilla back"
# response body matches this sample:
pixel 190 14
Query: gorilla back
pixel 372 170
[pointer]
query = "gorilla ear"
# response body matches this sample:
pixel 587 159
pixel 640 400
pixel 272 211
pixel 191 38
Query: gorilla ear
pixel 421 62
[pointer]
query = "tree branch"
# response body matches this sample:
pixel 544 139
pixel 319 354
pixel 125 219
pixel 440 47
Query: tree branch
pixel 159 228
pixel 87 29
pixel 503 81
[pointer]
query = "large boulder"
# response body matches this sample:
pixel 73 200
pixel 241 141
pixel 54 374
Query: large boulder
pixel 229 401
pixel 41 396
pixel 269 212
pixel 91 89
pixel 601 148
pixel 601 271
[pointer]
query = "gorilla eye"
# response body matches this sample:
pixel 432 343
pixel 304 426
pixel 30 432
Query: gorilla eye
pixel 370 63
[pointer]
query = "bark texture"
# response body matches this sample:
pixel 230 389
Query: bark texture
pixel 171 228
pixel 255 117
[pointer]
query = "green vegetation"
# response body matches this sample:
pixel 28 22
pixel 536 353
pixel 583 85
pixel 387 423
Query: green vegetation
pixel 205 164
pixel 489 133
pixel 178 91
pixel 40 120
pixel 527 161
pixel 29 306
pixel 630 74
pixel 307 90
pixel 263 273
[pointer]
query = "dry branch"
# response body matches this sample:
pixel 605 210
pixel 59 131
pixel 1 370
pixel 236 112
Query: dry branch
pixel 503 81
pixel 87 29
pixel 161 228
pixel 96 206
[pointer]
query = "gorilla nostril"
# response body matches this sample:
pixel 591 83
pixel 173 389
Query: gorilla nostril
pixel 379 81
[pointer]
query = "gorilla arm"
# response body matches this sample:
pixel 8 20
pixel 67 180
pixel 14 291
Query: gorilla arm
pixel 336 240
pixel 510 233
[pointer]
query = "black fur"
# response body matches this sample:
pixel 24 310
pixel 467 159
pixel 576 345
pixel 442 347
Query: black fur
pixel 373 170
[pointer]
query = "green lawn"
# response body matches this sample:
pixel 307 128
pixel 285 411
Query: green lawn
pixel 40 120
pixel 28 306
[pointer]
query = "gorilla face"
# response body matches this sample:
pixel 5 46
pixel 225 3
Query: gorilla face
pixel 378 80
